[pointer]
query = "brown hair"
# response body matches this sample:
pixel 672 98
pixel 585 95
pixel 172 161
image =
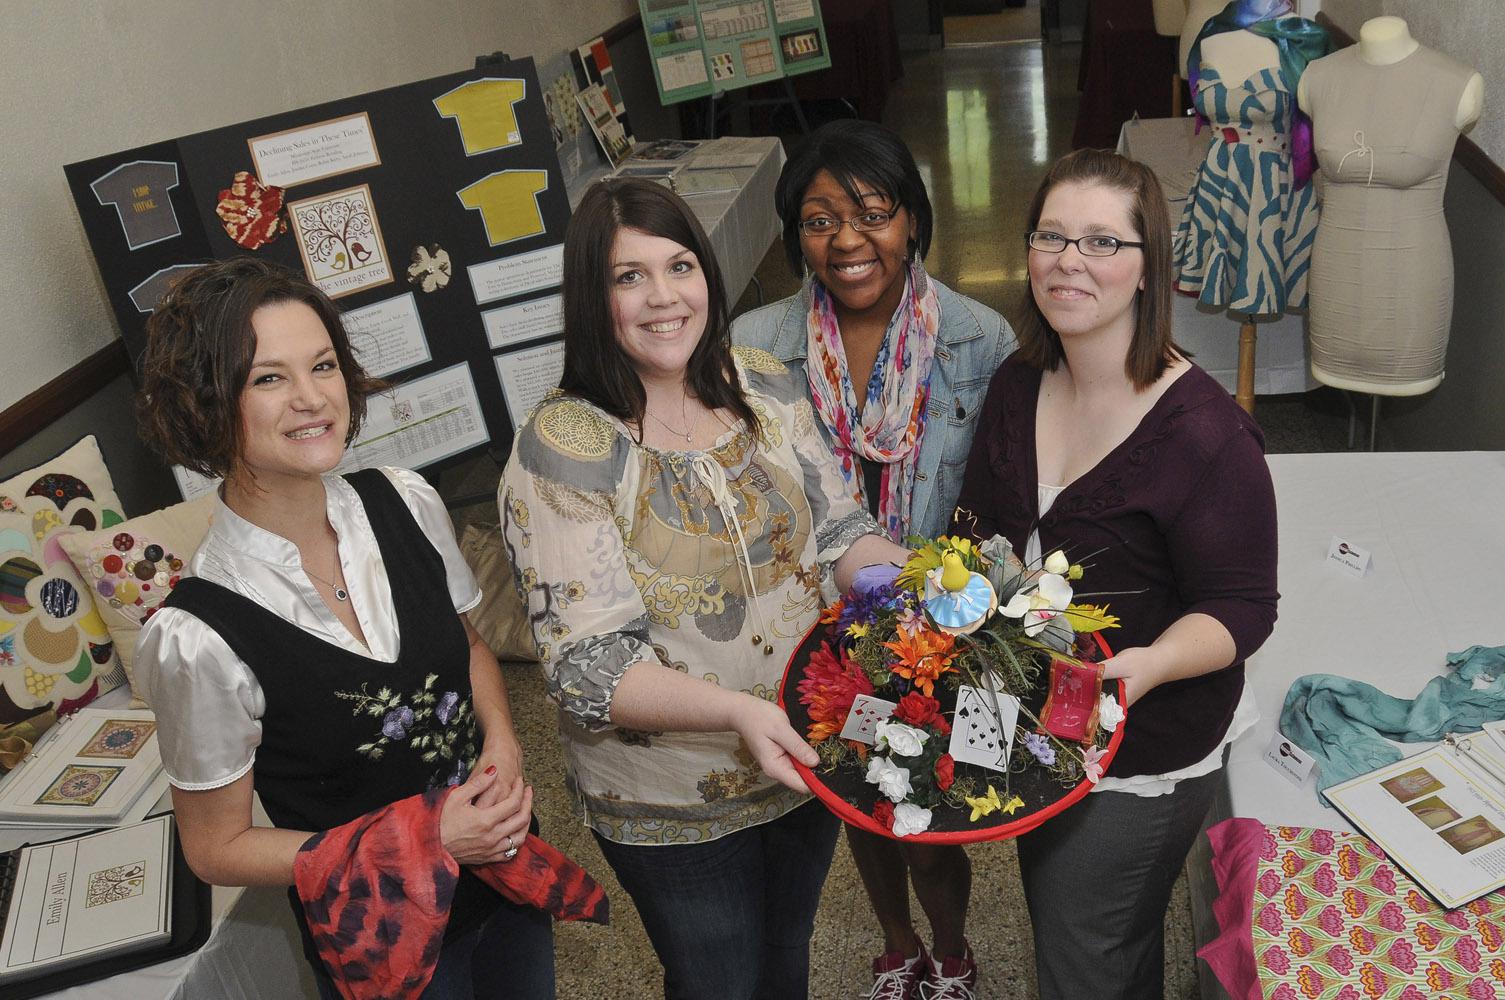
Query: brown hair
pixel 199 348
pixel 1152 347
pixel 595 367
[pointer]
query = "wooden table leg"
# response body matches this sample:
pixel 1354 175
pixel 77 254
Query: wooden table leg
pixel 1245 394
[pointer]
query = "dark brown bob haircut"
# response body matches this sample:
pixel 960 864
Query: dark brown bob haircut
pixel 596 369
pixel 199 348
pixel 1153 347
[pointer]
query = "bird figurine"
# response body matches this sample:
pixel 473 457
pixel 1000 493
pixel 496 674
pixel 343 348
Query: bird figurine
pixel 958 600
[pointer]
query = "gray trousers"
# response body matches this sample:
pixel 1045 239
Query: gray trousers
pixel 1098 881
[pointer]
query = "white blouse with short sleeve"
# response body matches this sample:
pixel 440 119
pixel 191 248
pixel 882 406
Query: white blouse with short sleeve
pixel 208 702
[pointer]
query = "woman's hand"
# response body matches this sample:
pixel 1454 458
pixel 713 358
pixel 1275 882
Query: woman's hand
pixel 501 751
pixel 875 577
pixel 1139 666
pixel 476 834
pixel 765 729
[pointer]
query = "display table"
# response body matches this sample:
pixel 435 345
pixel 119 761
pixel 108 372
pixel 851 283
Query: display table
pixel 1172 148
pixel 741 224
pixel 253 951
pixel 1431 521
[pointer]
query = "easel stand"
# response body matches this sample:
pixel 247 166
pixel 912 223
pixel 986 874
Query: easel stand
pixel 788 98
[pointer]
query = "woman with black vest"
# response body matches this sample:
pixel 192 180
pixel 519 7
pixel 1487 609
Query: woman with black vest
pixel 317 649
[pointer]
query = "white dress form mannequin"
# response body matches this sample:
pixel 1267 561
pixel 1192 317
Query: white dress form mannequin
pixel 1198 13
pixel 1234 58
pixel 1385 115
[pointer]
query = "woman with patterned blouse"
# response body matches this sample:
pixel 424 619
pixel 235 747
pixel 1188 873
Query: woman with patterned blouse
pixel 676 523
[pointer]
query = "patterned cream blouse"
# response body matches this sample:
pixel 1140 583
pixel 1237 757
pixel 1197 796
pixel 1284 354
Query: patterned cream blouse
pixel 622 554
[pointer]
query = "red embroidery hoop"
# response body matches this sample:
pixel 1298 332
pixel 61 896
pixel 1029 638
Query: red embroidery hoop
pixel 994 827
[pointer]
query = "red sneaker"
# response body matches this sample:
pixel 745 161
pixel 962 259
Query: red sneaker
pixel 955 978
pixel 897 976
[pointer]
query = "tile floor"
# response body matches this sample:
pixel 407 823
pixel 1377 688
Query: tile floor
pixel 983 122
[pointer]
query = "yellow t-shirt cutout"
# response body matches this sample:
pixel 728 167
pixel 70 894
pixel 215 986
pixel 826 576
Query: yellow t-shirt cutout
pixel 508 203
pixel 483 111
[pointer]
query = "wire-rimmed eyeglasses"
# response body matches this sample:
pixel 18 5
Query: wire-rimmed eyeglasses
pixel 1088 246
pixel 867 222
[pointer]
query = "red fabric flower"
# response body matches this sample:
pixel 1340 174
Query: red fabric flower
pixel 945 772
pixel 832 682
pixel 251 211
pixel 883 812
pixel 918 710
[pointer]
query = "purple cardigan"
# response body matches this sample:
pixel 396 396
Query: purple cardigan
pixel 1184 513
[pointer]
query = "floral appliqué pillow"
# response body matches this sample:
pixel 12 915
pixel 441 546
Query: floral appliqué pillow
pixel 1334 919
pixel 54 649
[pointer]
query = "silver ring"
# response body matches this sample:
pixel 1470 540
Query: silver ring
pixel 511 851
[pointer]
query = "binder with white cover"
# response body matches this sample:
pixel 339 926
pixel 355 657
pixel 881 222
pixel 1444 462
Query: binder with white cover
pixel 1438 814
pixel 96 767
pixel 86 898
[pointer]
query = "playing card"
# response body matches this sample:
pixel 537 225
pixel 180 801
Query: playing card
pixel 864 717
pixel 980 733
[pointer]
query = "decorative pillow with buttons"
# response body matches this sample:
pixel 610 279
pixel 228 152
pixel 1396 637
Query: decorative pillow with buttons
pixel 55 652
pixel 132 567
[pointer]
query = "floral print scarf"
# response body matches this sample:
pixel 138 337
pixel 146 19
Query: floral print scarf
pixel 897 391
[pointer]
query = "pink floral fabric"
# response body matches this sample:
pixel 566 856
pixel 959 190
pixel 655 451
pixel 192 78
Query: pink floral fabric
pixel 1334 919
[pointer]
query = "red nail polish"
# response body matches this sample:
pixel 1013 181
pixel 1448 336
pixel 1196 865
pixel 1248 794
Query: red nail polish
pixel 491 769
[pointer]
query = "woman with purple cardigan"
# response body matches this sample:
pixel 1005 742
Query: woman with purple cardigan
pixel 1099 437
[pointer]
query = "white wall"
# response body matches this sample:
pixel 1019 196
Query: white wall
pixel 1470 31
pixel 82 78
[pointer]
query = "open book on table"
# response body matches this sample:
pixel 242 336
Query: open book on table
pixel 1439 814
pixel 96 767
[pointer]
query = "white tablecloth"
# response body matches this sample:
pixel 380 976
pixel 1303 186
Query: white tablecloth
pixel 1170 148
pixel 741 224
pixel 1432 522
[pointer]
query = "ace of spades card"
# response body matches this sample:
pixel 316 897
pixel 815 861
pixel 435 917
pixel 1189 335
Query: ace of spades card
pixel 863 719
pixel 980 734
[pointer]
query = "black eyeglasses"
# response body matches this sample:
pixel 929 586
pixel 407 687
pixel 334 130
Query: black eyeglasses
pixel 1087 246
pixel 867 222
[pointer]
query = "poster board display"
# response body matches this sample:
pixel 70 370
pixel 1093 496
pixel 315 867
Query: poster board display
pixel 699 47
pixel 420 209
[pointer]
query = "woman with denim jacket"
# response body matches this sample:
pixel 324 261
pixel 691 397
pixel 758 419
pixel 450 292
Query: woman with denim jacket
pixel 857 223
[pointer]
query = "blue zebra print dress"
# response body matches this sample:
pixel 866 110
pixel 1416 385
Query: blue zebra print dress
pixel 1244 242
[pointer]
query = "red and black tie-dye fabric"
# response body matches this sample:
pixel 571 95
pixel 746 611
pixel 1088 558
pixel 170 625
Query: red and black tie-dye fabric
pixel 377 893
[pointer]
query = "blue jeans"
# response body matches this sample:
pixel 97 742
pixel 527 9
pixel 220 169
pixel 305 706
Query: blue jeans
pixel 509 957
pixel 731 919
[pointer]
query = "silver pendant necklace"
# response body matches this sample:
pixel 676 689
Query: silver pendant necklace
pixel 340 593
pixel 680 433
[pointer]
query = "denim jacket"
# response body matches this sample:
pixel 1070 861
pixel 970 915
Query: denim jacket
pixel 972 342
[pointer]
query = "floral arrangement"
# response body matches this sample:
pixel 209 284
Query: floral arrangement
pixel 956 614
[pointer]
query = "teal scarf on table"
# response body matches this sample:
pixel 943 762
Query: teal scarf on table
pixel 1347 725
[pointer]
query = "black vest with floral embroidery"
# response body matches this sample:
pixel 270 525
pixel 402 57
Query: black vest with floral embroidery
pixel 343 734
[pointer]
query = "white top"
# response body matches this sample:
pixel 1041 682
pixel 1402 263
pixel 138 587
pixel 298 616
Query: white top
pixel 1151 785
pixel 208 702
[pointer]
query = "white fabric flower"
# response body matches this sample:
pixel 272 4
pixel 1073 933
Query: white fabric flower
pixel 1109 712
pixel 891 779
pixel 1057 563
pixel 905 741
pixel 910 819
pixel 1051 596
